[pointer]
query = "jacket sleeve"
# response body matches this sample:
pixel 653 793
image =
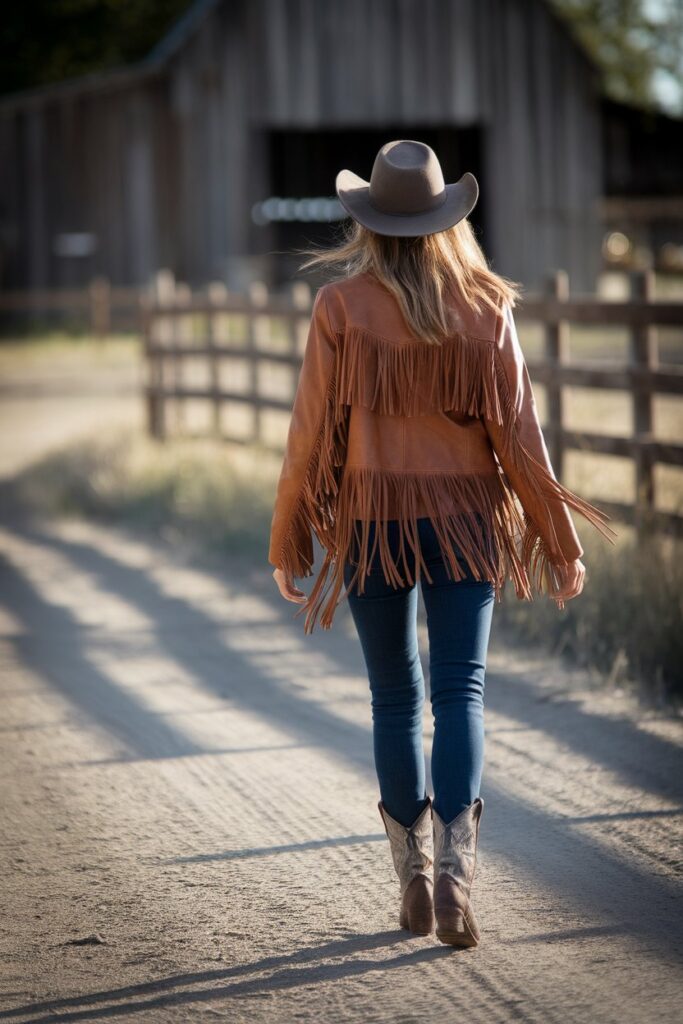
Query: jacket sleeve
pixel 308 482
pixel 550 537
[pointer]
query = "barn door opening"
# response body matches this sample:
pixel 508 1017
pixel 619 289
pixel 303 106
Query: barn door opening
pixel 303 165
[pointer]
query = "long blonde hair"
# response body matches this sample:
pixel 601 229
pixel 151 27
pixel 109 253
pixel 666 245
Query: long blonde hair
pixel 420 271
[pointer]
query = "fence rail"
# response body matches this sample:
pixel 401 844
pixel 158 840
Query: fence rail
pixel 642 377
pixel 180 327
pixel 101 307
pixel 168 345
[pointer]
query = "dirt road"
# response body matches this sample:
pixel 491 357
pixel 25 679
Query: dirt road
pixel 190 828
pixel 189 821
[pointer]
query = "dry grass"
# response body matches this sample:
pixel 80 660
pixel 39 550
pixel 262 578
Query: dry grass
pixel 219 493
pixel 59 348
pixel 627 624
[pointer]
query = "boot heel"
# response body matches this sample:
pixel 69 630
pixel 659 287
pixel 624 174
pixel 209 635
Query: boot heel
pixel 418 906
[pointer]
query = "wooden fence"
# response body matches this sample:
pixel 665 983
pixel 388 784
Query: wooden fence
pixel 180 326
pixel 172 337
pixel 101 308
pixel 642 377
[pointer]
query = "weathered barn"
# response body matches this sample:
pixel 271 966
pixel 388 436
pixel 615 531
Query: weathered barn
pixel 643 183
pixel 187 159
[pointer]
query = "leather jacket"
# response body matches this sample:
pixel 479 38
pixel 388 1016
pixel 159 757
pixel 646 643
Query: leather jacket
pixel 386 425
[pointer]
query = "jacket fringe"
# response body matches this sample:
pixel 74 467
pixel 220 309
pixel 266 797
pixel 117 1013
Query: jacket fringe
pixel 455 375
pixel 537 558
pixel 477 518
pixel 316 505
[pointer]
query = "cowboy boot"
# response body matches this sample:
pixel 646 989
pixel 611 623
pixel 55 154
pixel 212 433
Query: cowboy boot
pixel 455 852
pixel 412 854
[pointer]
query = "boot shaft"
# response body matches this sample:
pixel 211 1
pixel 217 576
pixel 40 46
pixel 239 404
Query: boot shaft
pixel 455 845
pixel 412 848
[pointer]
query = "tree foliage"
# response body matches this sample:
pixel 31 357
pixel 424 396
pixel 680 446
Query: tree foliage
pixel 45 41
pixel 638 44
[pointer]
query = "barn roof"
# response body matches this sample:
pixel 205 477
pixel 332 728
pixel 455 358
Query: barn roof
pixel 168 46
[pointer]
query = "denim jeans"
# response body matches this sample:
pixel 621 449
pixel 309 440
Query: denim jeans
pixel 459 615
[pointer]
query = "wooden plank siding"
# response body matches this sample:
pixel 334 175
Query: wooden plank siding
pixel 164 162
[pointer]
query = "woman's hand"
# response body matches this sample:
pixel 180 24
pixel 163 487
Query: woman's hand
pixel 286 587
pixel 570 581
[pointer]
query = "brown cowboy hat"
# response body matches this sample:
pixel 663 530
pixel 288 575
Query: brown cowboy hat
pixel 406 194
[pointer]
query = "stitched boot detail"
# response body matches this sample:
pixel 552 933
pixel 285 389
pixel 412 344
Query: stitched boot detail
pixel 455 856
pixel 413 857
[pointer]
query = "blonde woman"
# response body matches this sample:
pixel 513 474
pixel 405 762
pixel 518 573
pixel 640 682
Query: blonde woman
pixel 415 455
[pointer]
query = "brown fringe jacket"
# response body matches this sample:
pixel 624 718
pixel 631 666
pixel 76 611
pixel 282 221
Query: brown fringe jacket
pixel 388 426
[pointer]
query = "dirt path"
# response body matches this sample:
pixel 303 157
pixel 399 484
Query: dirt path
pixel 189 823
pixel 190 828
pixel 52 395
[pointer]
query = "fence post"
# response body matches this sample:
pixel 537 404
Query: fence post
pixel 644 358
pixel 556 353
pixel 259 330
pixel 181 296
pixel 159 336
pixel 217 294
pixel 99 302
pixel 300 294
pixel 155 398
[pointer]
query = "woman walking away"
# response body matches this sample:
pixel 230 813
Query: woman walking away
pixel 415 453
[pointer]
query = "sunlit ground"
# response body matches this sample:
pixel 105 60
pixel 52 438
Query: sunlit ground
pixel 73 442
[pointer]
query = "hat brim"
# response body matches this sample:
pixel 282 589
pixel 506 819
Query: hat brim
pixel 353 193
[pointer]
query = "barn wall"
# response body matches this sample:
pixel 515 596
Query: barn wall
pixel 82 163
pixel 218 164
pixel 543 146
pixel 349 62
pixel 165 167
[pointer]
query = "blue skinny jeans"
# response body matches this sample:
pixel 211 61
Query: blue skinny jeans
pixel 459 615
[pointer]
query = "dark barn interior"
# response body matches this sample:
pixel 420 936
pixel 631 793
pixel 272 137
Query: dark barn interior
pixel 305 163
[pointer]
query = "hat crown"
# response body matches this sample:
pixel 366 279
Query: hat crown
pixel 406 179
